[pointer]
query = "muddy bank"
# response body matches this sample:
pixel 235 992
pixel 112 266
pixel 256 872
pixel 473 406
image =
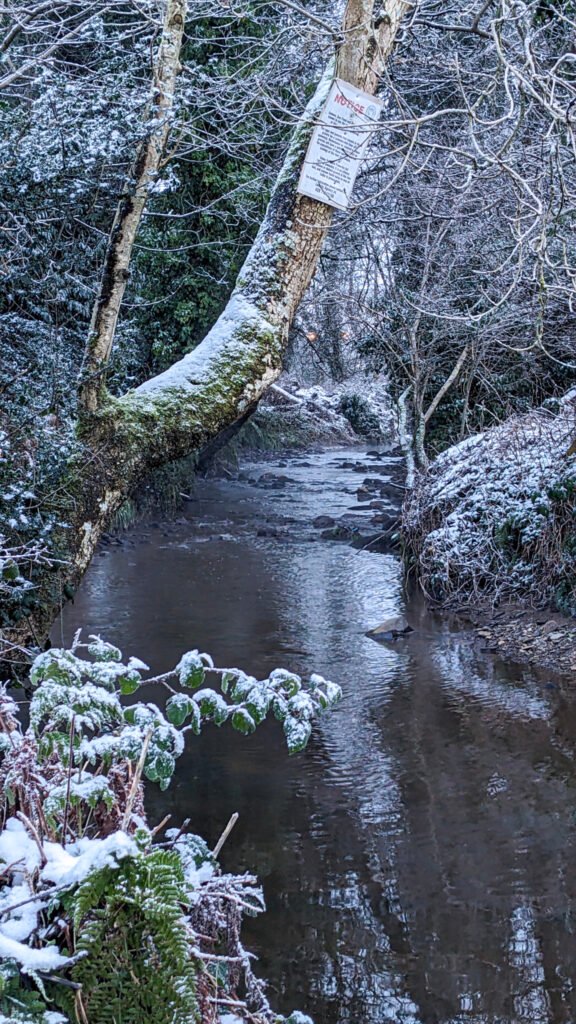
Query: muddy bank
pixel 542 638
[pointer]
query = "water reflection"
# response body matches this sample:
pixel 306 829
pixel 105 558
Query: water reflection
pixel 418 858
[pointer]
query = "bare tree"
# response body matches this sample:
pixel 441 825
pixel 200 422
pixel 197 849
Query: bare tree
pixel 464 250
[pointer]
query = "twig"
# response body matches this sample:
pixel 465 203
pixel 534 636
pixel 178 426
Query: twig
pixel 69 779
pixel 184 825
pixel 60 981
pixel 225 834
pixel 136 780
pixel 161 825
pixel 34 833
pixel 6 911
pixel 80 1008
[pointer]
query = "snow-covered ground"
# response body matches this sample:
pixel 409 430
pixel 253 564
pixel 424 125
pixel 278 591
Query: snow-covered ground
pixel 494 514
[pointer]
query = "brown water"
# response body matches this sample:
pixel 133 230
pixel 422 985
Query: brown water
pixel 418 858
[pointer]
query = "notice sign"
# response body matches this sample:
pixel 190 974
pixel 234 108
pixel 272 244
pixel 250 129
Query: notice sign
pixel 338 145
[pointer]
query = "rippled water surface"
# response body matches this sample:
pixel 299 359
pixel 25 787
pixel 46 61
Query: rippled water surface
pixel 418 858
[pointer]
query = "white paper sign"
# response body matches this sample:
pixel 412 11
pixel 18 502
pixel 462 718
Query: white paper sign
pixel 338 145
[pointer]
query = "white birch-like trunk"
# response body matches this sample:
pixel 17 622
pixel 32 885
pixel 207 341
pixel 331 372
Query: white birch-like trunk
pixel 143 174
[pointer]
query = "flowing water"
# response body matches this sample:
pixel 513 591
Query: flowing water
pixel 418 859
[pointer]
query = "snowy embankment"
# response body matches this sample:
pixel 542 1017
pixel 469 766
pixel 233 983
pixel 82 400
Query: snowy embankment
pixel 495 516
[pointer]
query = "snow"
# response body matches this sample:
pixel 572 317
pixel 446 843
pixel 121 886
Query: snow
pixel 22 921
pixel 484 516
pixel 83 786
pixel 225 336
pixel 49 1017
pixel 197 861
pixel 372 388
pixel 16 846
pixel 64 866
pixel 30 960
pixel 196 876
pixel 189 664
pixel 70 866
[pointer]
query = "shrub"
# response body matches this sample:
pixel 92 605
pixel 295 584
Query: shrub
pixel 143 931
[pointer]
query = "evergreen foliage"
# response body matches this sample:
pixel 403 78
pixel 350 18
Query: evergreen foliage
pixel 129 923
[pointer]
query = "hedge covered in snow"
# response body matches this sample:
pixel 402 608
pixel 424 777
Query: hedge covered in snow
pixel 496 514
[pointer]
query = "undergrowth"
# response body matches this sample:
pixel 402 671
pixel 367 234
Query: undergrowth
pixel 495 516
pixel 104 919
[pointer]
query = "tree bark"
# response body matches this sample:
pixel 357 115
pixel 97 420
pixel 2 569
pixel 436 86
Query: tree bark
pixel 183 409
pixel 453 376
pixel 143 174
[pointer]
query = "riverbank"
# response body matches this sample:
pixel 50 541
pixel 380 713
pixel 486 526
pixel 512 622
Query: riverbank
pixel 542 638
pixel 490 530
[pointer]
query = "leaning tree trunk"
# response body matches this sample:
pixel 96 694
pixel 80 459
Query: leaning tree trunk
pixel 183 409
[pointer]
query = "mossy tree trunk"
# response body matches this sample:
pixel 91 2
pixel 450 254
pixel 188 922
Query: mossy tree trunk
pixel 182 410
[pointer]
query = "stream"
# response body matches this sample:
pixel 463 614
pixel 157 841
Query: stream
pixel 418 859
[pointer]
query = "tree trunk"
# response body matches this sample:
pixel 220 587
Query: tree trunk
pixel 183 409
pixel 116 272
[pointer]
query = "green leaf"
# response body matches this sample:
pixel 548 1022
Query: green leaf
pixel 297 733
pixel 258 703
pixel 227 679
pixel 103 651
pixel 191 670
pixel 280 708
pixel 212 705
pixel 163 764
pixel 195 679
pixel 178 708
pixel 10 571
pixel 61 666
pixel 129 683
pixel 195 722
pixel 243 721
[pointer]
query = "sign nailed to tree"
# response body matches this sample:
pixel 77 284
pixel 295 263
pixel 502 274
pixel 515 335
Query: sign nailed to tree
pixel 338 145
